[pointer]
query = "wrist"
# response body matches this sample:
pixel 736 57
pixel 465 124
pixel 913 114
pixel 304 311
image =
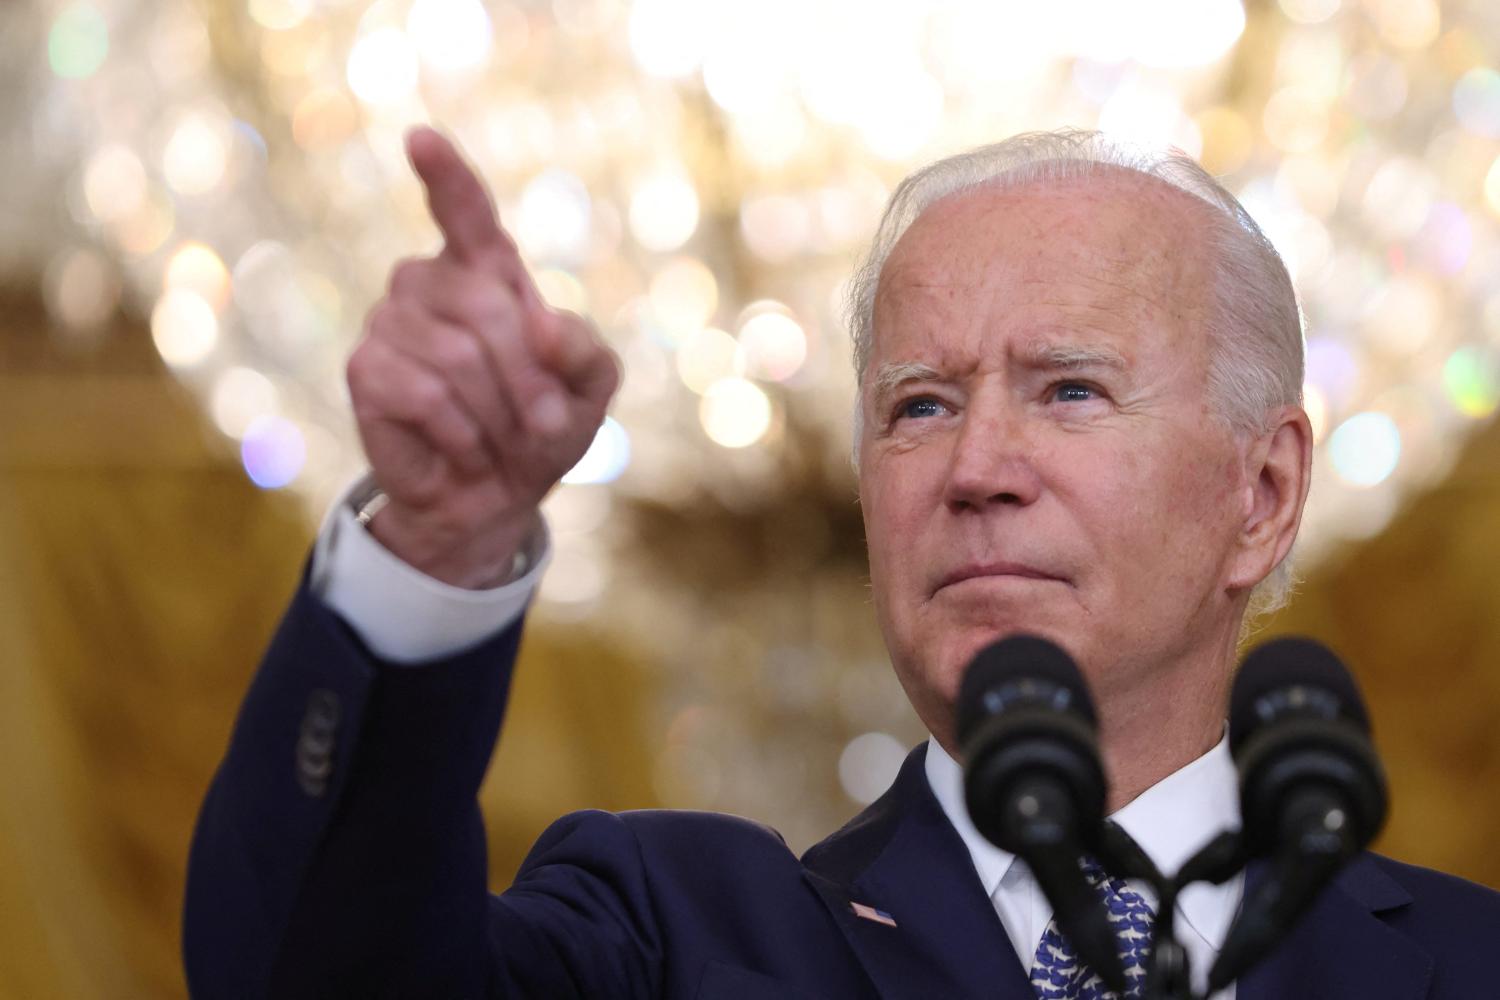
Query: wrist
pixel 470 557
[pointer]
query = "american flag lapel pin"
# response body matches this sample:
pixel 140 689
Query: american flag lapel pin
pixel 870 913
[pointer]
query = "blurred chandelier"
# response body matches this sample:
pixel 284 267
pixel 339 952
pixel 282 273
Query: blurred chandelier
pixel 698 175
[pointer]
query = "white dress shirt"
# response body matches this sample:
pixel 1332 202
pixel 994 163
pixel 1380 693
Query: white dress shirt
pixel 1171 820
pixel 403 615
pixel 407 617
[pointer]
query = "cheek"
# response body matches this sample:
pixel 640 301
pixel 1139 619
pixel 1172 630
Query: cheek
pixel 1177 512
pixel 896 502
pixel 884 510
pixel 890 488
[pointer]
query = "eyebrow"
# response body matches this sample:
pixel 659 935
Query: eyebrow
pixel 891 375
pixel 1038 354
pixel 1070 357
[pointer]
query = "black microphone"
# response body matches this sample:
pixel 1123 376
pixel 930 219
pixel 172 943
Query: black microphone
pixel 1033 782
pixel 1312 791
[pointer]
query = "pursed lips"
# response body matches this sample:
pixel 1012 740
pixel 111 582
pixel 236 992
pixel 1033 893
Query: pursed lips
pixel 974 571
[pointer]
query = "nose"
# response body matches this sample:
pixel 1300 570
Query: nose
pixel 993 462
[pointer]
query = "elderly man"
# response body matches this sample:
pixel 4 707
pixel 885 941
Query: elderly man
pixel 1079 372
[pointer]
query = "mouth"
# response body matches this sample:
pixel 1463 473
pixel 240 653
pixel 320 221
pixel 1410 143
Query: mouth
pixel 995 570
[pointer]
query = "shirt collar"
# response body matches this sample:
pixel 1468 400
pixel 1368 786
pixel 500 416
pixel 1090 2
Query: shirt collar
pixel 947 781
pixel 1170 820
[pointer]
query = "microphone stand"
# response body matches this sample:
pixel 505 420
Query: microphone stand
pixel 1169 974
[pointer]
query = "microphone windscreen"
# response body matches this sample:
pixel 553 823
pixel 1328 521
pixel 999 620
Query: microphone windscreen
pixel 1285 664
pixel 1022 664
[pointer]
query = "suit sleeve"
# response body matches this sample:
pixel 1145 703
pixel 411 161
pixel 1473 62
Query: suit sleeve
pixel 340 849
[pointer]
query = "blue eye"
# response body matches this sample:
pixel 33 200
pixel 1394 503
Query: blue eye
pixel 924 406
pixel 1073 392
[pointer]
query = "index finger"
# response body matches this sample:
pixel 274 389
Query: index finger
pixel 458 201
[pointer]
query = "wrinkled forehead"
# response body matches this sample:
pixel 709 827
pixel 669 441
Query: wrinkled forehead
pixel 1112 240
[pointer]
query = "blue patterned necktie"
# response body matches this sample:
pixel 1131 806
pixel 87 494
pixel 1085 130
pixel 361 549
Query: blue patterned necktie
pixel 1056 972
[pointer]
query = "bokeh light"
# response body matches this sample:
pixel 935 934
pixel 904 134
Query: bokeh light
pixel 1365 449
pixel 197 153
pixel 1316 405
pixel 772 343
pixel 684 295
pixel 279 15
pixel 902 114
pixel 184 328
pixel 197 268
pixel 1332 369
pixel 1179 34
pixel 240 397
pixel 144 230
pixel 869 764
pixel 606 458
pixel 114 183
pixel 451 36
pixel 78 42
pixel 273 452
pixel 735 412
pixel 1407 24
pixel 552 222
pixel 1309 11
pixel 1476 102
pixel 706 356
pixel 666 36
pixel 81 288
pixel 776 227
pixel 664 211
pixel 382 67
pixel 1492 187
pixel 1471 376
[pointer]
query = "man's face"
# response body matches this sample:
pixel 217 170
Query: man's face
pixel 1038 452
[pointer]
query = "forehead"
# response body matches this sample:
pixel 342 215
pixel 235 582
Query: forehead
pixel 1111 254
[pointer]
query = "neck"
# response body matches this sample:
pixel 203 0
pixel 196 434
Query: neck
pixel 1151 723
pixel 1151 730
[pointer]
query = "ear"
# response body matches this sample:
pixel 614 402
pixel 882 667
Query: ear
pixel 1278 471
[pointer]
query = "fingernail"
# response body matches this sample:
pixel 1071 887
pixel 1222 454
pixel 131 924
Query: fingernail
pixel 551 413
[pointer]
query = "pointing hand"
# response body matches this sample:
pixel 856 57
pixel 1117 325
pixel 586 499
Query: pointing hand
pixel 472 396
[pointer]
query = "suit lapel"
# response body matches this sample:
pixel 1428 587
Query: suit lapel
pixel 902 857
pixel 1341 948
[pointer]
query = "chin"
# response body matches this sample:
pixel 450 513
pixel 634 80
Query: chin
pixel 951 652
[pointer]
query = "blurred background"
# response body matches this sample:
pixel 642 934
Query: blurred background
pixel 199 200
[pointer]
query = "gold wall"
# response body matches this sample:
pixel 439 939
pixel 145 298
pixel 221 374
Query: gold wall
pixel 141 574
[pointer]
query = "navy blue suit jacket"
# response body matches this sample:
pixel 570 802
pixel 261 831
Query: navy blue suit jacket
pixel 340 853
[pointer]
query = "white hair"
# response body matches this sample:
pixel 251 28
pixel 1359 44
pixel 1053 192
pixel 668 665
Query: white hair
pixel 1254 329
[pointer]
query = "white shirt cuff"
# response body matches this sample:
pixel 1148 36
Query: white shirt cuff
pixel 403 615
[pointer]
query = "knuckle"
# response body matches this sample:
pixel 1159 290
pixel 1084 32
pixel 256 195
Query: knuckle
pixel 586 331
pixel 425 395
pixel 485 301
pixel 360 369
pixel 451 433
pixel 378 321
pixel 407 276
pixel 457 351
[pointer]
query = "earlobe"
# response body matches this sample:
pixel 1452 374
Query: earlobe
pixel 1278 472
